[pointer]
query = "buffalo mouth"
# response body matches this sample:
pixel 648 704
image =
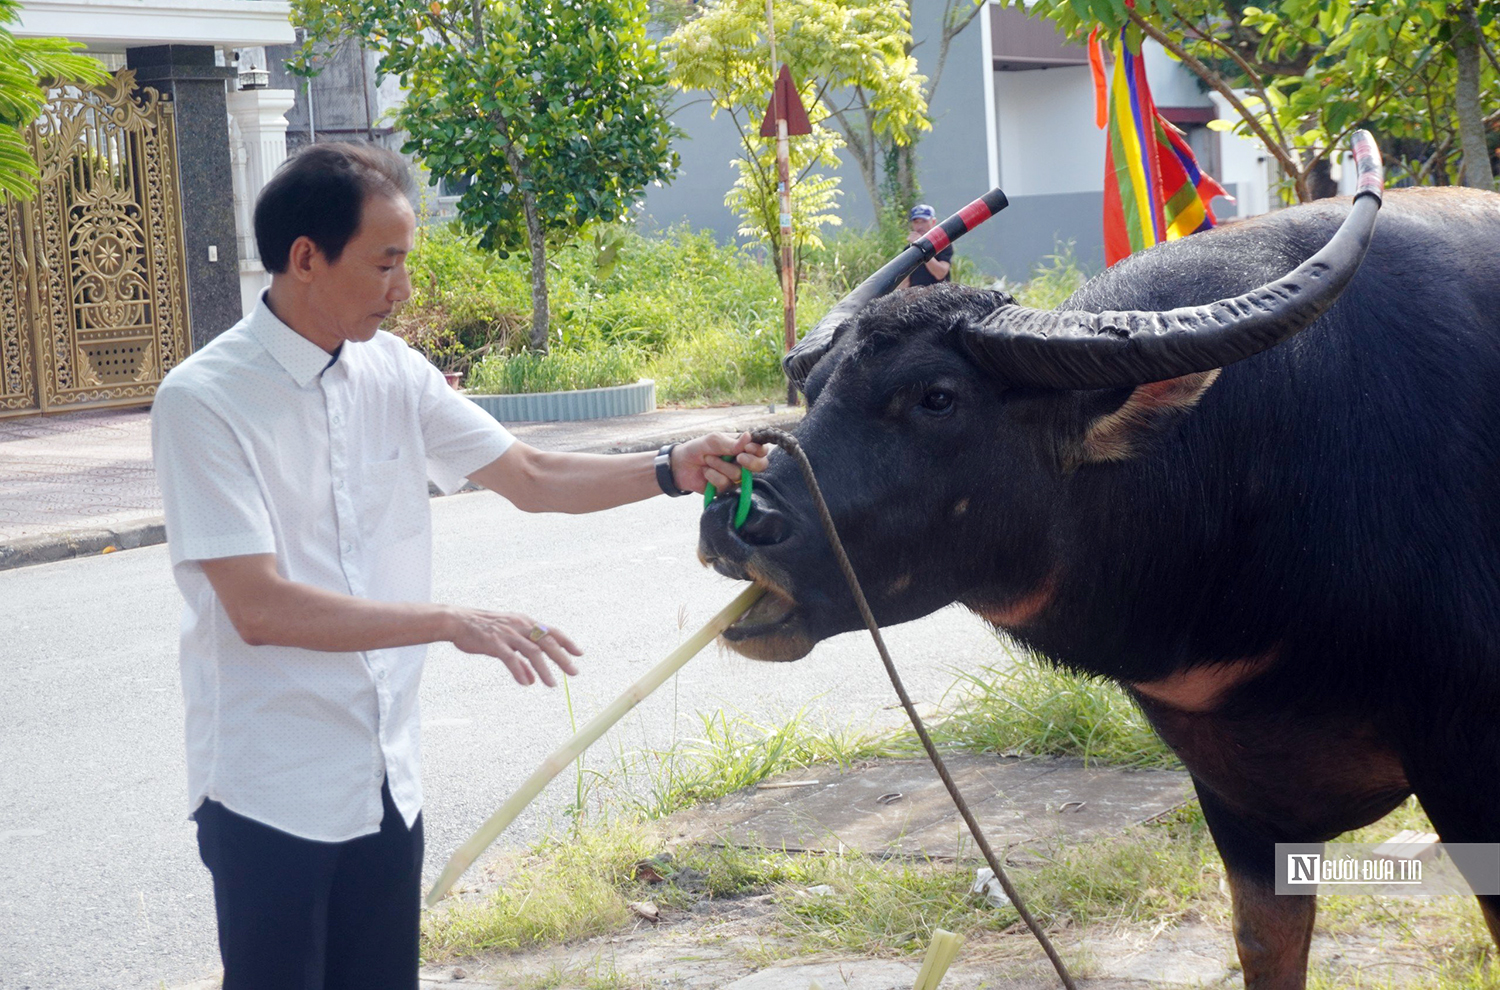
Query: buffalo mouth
pixel 774 628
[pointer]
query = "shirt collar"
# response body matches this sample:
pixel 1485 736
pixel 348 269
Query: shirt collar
pixel 301 358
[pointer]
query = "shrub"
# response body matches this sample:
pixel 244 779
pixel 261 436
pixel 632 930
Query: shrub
pixel 701 318
pixel 464 303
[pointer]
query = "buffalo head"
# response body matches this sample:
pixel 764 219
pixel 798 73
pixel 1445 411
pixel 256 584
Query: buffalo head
pixel 949 426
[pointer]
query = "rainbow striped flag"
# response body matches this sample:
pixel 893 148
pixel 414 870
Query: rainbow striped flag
pixel 1153 188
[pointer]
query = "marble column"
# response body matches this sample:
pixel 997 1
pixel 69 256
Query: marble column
pixel 257 127
pixel 196 85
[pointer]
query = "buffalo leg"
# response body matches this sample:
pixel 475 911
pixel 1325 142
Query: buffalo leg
pixel 1469 817
pixel 1272 933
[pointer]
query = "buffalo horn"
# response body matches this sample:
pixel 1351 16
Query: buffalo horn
pixel 1077 350
pixel 800 360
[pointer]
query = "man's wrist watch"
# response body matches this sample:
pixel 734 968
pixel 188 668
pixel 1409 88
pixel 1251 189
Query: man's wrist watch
pixel 664 472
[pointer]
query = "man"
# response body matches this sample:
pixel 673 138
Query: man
pixel 293 454
pixel 939 266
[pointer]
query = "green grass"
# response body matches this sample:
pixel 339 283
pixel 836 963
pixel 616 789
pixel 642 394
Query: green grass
pixel 578 884
pixel 1450 930
pixel 564 370
pixel 1483 974
pixel 1030 707
pixel 599 977
pixel 1022 706
pixel 568 888
pixel 1147 877
pixel 730 754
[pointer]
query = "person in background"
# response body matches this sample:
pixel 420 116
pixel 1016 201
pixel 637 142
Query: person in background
pixel 937 269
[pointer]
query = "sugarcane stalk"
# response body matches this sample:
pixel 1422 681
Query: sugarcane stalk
pixel 553 765
pixel 940 955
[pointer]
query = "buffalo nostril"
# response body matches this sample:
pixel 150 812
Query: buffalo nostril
pixel 764 526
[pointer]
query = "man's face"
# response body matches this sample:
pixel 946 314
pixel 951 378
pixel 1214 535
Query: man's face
pixel 354 294
pixel 921 225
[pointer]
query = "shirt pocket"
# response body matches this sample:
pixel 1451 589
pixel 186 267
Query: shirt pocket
pixel 393 500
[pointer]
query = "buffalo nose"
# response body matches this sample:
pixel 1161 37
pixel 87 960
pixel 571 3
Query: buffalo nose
pixel 764 526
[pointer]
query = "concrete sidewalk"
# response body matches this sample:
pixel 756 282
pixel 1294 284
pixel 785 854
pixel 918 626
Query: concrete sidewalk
pixel 82 483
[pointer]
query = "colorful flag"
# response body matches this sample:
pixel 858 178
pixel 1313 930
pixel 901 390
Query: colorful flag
pixel 1153 188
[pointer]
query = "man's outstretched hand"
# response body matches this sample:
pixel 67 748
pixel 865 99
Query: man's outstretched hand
pixel 697 463
pixel 520 642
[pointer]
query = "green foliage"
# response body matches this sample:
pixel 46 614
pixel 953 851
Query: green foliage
pixel 1053 281
pixel 702 319
pixel 830 46
pixel 850 256
pixel 465 302
pixel 553 108
pixel 25 63
pixel 1317 69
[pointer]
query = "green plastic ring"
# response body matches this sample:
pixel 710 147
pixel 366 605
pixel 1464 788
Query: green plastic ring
pixel 742 510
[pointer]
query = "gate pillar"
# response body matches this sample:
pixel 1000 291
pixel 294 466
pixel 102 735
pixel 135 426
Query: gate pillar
pixel 197 88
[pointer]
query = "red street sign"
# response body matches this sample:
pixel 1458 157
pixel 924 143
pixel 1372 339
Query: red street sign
pixel 787 104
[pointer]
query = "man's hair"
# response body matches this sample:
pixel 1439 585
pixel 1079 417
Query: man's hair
pixel 319 193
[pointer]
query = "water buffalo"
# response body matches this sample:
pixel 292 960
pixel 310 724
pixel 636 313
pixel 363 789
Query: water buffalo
pixel 1274 519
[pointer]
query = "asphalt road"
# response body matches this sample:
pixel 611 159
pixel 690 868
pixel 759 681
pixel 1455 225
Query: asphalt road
pixel 100 884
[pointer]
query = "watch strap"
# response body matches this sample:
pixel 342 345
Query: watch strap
pixel 664 472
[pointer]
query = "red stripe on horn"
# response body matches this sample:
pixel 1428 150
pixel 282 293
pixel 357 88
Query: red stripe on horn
pixel 937 238
pixel 974 214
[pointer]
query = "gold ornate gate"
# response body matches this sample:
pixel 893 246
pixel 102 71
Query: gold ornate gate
pixel 93 298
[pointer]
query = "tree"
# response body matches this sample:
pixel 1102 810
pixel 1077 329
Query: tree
pixel 1314 70
pixel 888 166
pixel 549 110
pixel 833 47
pixel 25 64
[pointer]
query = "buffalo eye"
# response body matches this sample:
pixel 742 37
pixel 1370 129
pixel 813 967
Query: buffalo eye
pixel 938 401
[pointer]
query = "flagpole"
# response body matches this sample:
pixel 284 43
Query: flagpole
pixel 784 189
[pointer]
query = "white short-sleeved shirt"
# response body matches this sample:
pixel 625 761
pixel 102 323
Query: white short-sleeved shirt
pixel 264 444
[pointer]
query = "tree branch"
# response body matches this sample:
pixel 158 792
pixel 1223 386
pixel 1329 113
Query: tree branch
pixel 1472 18
pixel 1219 86
pixel 953 26
pixel 1255 77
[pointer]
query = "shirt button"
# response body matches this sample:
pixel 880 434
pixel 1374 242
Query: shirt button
pixel 339 484
pixel 348 548
pixel 380 676
pixel 335 419
pixel 379 772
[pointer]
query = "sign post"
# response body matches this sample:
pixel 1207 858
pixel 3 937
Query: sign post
pixel 784 117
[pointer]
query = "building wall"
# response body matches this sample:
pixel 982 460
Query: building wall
pixel 707 149
pixel 341 103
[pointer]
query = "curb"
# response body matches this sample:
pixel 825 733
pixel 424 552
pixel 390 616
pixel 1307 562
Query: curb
pixel 50 548
pixel 572 406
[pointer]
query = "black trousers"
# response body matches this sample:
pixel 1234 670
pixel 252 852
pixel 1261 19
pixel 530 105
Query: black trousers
pixel 295 914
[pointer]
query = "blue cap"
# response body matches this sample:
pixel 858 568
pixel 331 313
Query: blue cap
pixel 922 212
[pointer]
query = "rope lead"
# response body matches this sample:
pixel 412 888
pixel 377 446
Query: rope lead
pixel 789 443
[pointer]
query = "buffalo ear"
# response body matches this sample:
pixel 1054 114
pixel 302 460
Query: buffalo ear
pixel 1116 435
